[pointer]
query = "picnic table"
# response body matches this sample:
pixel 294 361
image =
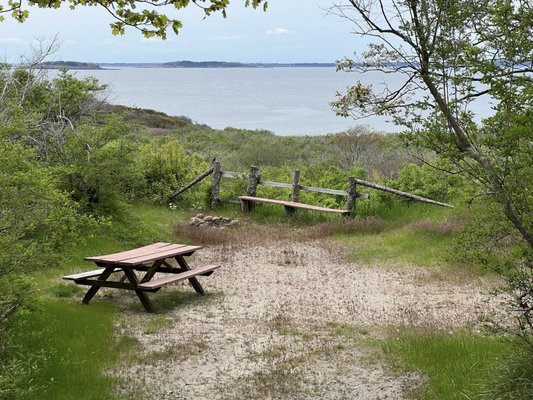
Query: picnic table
pixel 158 258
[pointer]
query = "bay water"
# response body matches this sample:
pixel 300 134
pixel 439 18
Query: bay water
pixel 285 101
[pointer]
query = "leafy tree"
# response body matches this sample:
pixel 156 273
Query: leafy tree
pixel 451 53
pixel 141 15
pixel 454 52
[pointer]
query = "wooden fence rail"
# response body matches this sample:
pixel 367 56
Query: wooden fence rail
pixel 254 179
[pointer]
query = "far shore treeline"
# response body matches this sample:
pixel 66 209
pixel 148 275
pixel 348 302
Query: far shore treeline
pixel 76 65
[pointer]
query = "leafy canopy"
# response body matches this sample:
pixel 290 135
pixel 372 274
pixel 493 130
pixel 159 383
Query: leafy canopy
pixel 138 14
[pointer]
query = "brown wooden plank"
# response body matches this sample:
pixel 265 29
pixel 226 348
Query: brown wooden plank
pixel 129 253
pixel 110 284
pixel 167 280
pixel 292 204
pixel 172 252
pixel 313 208
pixel 88 274
pixel 263 200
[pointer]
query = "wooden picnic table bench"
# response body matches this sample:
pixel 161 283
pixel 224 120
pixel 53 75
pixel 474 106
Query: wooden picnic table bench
pixel 155 258
pixel 290 206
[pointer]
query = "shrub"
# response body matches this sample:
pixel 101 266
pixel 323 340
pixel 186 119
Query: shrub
pixel 166 167
pixel 36 218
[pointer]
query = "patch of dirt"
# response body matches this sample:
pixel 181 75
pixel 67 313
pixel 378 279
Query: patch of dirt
pixel 287 321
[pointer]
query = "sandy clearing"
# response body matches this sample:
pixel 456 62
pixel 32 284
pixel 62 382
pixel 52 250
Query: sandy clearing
pixel 288 321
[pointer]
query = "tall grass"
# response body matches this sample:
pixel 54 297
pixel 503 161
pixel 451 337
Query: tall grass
pixel 457 365
pixel 72 345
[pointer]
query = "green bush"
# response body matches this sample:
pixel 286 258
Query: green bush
pixel 36 218
pixel 166 166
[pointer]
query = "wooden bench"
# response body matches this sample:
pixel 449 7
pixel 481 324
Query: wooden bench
pixel 291 206
pixel 156 284
pixel 88 274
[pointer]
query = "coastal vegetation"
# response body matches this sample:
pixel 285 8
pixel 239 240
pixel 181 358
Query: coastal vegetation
pixel 80 176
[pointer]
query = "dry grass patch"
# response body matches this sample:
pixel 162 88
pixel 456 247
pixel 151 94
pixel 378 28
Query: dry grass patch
pixel 251 233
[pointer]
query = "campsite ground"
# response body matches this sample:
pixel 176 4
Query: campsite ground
pixel 289 319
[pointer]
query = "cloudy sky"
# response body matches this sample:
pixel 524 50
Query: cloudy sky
pixel 290 31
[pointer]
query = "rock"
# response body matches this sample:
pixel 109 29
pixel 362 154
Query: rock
pixel 200 216
pixel 196 221
pixel 208 218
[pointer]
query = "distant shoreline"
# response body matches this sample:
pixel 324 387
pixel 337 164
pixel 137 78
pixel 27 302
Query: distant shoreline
pixel 215 64
pixel 77 65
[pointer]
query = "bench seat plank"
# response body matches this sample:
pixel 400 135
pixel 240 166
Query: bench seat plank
pixel 167 280
pixel 88 274
pixel 292 204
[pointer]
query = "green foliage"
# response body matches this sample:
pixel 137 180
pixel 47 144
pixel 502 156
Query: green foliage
pixel 97 164
pixel 36 218
pixel 433 181
pixel 487 239
pixel 166 167
pixel 131 14
pixel 416 234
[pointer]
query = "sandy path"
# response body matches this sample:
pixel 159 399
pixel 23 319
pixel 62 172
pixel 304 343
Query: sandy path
pixel 288 321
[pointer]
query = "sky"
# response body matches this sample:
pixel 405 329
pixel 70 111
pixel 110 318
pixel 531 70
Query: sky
pixel 290 31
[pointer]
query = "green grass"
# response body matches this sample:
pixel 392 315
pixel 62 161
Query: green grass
pixel 414 234
pixel 73 344
pixel 456 363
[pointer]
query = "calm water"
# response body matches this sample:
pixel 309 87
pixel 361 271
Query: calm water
pixel 286 101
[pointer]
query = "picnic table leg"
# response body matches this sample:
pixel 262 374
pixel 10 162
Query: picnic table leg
pixel 151 272
pixel 94 289
pixel 140 294
pixel 193 281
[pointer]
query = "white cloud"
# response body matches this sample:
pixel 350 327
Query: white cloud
pixel 278 32
pixel 10 40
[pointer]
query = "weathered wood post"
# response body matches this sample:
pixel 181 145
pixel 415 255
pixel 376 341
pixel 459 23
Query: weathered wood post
pixel 253 180
pixel 295 195
pixel 352 193
pixel 217 175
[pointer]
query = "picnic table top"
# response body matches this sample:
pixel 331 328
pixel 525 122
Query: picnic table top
pixel 145 254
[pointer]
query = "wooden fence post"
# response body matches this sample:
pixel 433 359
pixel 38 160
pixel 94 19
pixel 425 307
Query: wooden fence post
pixel 295 195
pixel 296 187
pixel 351 195
pixel 253 180
pixel 217 175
